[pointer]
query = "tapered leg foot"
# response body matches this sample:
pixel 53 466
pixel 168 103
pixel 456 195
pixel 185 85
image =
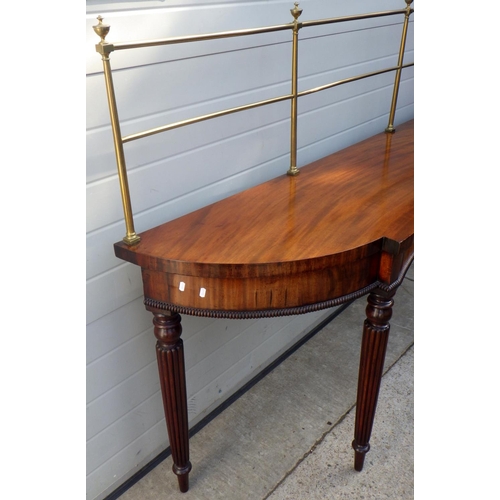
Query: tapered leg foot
pixel 170 355
pixel 371 365
pixel 359 455
pixel 183 477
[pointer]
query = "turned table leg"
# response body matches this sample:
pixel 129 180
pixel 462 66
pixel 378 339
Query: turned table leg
pixel 373 348
pixel 170 355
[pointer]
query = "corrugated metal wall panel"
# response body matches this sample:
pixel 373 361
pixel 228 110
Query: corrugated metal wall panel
pixel 177 172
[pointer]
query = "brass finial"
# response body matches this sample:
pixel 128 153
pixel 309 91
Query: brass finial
pixel 409 10
pixel 296 11
pixel 101 29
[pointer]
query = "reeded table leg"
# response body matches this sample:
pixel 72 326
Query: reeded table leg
pixel 373 348
pixel 170 354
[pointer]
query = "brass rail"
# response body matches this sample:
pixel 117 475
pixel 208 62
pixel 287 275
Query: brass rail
pixel 190 121
pixel 105 48
pixel 351 79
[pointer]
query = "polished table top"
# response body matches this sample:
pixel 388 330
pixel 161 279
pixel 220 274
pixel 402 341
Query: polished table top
pixel 344 224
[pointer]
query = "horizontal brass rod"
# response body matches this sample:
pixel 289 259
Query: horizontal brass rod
pixel 199 38
pixel 351 79
pixel 245 32
pixel 197 119
pixel 332 20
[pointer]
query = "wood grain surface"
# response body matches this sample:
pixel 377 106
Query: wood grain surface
pixel 344 223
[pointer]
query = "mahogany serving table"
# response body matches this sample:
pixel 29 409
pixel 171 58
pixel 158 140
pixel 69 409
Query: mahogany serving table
pixel 340 230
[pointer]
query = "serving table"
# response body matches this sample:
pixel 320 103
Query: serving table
pixel 292 245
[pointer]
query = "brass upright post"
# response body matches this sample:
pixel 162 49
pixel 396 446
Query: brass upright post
pixel 131 238
pixel 296 12
pixel 390 127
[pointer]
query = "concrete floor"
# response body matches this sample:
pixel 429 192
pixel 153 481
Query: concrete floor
pixel 289 437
